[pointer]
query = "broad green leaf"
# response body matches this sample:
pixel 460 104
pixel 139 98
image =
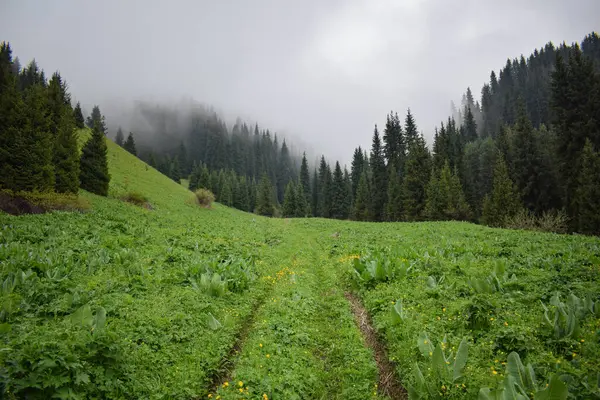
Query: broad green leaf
pixel 438 362
pixel 99 320
pixel 424 345
pixel 5 328
pixel 213 323
pixel 461 359
pixel 515 368
pixel 83 316
pixel 397 313
pixel 556 390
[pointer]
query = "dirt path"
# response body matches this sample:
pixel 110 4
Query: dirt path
pixel 389 384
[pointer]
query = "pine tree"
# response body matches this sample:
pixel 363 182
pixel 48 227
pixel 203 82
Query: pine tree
pixel 410 130
pixel 416 179
pixel 204 178
pixel 470 126
pixel 379 179
pixel 129 145
pixel 504 200
pixel 356 168
pixel 226 192
pixel 242 200
pixel 324 199
pixel 194 179
pixel 394 193
pixel 339 205
pixel 94 175
pixel 66 155
pixel 363 199
pixel 315 194
pixel 184 163
pixel 305 179
pixel 33 154
pixel 458 207
pixel 119 138
pixel 96 118
pixel 289 201
pixel 587 196
pixel 78 117
pixel 302 208
pixel 264 199
pixel 348 199
pixel 393 139
pixel 174 170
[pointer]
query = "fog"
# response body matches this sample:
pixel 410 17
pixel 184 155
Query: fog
pixel 321 73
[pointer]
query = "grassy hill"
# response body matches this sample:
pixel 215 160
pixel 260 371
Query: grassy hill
pixel 181 302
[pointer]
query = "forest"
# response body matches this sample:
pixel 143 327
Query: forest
pixel 524 155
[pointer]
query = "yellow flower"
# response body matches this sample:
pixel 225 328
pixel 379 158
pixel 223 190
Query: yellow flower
pixel 491 319
pixel 268 356
pixel 240 383
pixel 265 397
pixel 210 395
pixel 226 384
pixel 574 355
pixel 425 342
pixel 495 372
pixel 444 309
pixel 582 340
pixel 505 323
pixel 260 344
pixel 430 353
pixel 241 390
pixel 438 318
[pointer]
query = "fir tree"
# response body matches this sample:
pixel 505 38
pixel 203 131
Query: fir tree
pixel 393 139
pixel 434 205
pixel 264 201
pixel 394 193
pixel 302 208
pixel 416 178
pixel 363 199
pixel 504 200
pixel 379 179
pixel 129 145
pixel 119 138
pixel 305 180
pixel 174 170
pixel 339 205
pixel 470 126
pixel 289 201
pixel 194 179
pixel 410 130
pixel 96 117
pixel 226 192
pixel 587 196
pixel 356 168
pixel 315 194
pixel 78 117
pixel 66 155
pixel 324 199
pixel 94 175
pixel 204 178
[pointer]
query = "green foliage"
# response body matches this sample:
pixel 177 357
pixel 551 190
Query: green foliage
pixel 441 374
pixel 66 155
pixel 94 176
pixel 378 266
pixel 588 191
pixel 289 201
pixel 416 177
pixel 504 200
pixel 204 197
pixel 136 198
pixel 129 144
pixel 378 179
pixel 78 117
pixel 264 201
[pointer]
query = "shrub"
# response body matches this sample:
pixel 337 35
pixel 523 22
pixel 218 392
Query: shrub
pixel 18 203
pixel 205 197
pixel 135 198
pixel 549 221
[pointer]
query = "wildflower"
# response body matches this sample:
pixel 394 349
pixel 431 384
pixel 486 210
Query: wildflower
pixel 425 342
pixel 574 355
pixel 491 319
pixel 240 383
pixel 582 340
pixel 268 356
pixel 265 397
pixel 241 390
pixel 444 309
pixel 226 384
pixel 495 372
pixel 438 318
pixel 505 323
pixel 210 395
pixel 260 344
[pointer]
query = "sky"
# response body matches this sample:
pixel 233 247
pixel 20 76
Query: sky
pixel 320 72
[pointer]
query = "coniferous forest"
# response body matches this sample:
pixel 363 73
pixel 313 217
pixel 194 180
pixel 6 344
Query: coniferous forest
pixel 525 154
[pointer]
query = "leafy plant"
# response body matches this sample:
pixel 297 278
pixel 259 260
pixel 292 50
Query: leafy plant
pixel 378 266
pixel 520 381
pixel 441 373
pixel 398 314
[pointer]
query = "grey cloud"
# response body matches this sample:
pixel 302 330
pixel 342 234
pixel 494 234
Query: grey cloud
pixel 321 71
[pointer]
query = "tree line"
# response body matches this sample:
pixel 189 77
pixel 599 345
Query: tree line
pixel 38 139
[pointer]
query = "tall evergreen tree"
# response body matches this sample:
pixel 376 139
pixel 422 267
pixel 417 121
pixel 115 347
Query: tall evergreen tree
pixel 289 201
pixel 416 178
pixel 174 169
pixel 587 196
pixel 363 199
pixel 226 192
pixel 410 130
pixel 304 179
pixel 96 117
pixel 504 200
pixel 379 179
pixel 129 145
pixel 302 208
pixel 78 117
pixel 339 204
pixel 394 147
pixel 470 126
pixel 66 155
pixel 94 176
pixel 394 193
pixel 315 194
pixel 120 138
pixel 264 201
pixel 324 199
pixel 356 168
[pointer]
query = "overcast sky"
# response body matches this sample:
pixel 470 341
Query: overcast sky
pixel 322 70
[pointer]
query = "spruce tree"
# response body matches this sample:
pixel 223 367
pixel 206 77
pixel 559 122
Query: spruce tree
pixel 324 199
pixel 120 138
pixel 305 179
pixel 315 194
pixel 194 179
pixel 356 168
pixel 242 200
pixel 33 153
pixel 587 196
pixel 66 155
pixel 470 126
pixel 78 117
pixel 349 199
pixel 410 130
pixel 434 205
pixel 302 208
pixel 93 174
pixel 96 117
pixel 504 200
pixel 174 170
pixel 339 205
pixel 458 206
pixel 393 139
pixel 363 199
pixel 379 179
pixel 204 178
pixel 129 145
pixel 394 193
pixel 264 200
pixel 289 201
pixel 226 192
pixel 416 178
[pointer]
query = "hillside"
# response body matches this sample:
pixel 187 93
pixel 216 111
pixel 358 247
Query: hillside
pixel 183 302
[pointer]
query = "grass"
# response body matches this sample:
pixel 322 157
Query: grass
pixel 280 326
